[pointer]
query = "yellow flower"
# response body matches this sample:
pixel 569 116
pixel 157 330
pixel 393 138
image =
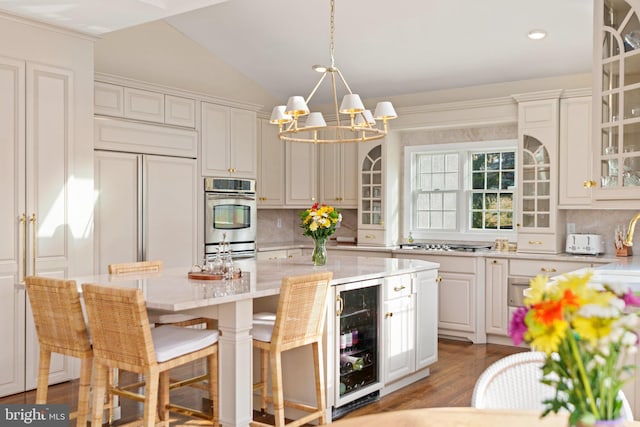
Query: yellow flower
pixel 592 328
pixel 536 291
pixel 313 226
pixel 548 338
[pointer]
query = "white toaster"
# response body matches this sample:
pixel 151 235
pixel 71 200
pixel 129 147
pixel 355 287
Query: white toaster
pixel 585 244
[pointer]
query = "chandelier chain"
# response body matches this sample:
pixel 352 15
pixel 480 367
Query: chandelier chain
pixel 332 28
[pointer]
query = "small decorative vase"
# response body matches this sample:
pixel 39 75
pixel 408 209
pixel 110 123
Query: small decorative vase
pixel 319 256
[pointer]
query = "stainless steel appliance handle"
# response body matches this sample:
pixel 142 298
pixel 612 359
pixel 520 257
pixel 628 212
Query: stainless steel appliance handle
pixel 222 196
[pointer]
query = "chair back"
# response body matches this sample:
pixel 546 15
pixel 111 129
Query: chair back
pixel 302 307
pixel 135 267
pixel 119 326
pixel 58 316
pixel 513 382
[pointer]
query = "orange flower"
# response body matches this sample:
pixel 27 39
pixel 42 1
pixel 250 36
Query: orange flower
pixel 546 312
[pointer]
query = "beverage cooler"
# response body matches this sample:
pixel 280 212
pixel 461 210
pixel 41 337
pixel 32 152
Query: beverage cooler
pixel 357 335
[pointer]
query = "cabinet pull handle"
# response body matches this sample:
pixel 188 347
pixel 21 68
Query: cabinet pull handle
pixel 495 261
pixel 23 261
pixel 369 236
pixel 535 242
pixel 388 315
pixel 340 305
pixel 439 279
pixel 33 221
pixel 399 288
pixel 589 184
pixel 548 270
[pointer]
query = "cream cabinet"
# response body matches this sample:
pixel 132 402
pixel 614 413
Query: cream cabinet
pixel 338 175
pixel 616 100
pixel 399 326
pixel 461 295
pixel 229 142
pixel 410 313
pixel 539 219
pixel 301 175
pixel 496 310
pixel 146 105
pixel 271 170
pixel 575 180
pixel 146 208
pixel 377 194
pixel 45 214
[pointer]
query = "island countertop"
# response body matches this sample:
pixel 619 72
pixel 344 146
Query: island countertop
pixel 172 290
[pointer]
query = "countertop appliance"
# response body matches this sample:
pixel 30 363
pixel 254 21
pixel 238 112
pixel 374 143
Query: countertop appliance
pixel 584 244
pixel 230 215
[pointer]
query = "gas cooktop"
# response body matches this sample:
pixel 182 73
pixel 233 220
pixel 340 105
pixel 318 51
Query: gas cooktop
pixel 446 247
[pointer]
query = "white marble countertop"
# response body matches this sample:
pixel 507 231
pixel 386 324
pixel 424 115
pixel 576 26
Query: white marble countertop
pixel 172 289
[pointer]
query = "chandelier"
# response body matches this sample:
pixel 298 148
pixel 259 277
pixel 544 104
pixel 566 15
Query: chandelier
pixel 361 124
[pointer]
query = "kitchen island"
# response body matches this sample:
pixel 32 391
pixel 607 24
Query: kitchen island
pixel 231 302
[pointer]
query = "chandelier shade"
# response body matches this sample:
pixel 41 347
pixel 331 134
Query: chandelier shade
pixel 359 126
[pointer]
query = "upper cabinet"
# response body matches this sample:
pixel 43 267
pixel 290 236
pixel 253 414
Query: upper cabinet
pixel 270 182
pixel 301 175
pixel 229 142
pixel 616 95
pixel 145 105
pixel 378 195
pixel 338 175
pixel 575 152
pixel 538 130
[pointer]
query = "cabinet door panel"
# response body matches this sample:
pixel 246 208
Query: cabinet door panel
pixel 116 231
pixel 49 139
pixel 108 99
pixel 497 321
pixel 301 167
pixel 179 111
pixel 456 302
pixel 575 151
pixel 169 211
pixel 271 167
pixel 215 140
pixel 400 345
pixel 243 157
pixel 143 105
pixel 426 318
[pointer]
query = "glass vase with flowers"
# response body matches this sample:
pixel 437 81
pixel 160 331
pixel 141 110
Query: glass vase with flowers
pixel 588 331
pixel 319 222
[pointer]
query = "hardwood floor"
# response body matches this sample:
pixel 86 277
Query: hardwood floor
pixel 450 384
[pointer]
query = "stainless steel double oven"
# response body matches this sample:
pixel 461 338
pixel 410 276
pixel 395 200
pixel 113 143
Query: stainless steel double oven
pixel 230 215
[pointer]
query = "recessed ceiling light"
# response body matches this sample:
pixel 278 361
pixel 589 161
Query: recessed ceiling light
pixel 537 34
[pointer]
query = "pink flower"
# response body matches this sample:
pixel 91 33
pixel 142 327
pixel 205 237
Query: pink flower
pixel 517 327
pixel 631 299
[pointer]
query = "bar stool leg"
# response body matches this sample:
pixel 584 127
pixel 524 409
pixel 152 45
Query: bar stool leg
pixel 319 372
pixel 84 392
pixel 276 388
pixel 43 376
pixel 100 375
pixel 264 377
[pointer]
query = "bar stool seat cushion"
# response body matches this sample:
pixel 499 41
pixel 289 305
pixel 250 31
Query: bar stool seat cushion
pixel 173 341
pixel 263 324
pixel 169 318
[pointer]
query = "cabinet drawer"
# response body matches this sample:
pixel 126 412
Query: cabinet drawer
pixel 452 263
pixel 397 286
pixel 371 237
pixel 537 243
pixel 143 105
pixel 531 268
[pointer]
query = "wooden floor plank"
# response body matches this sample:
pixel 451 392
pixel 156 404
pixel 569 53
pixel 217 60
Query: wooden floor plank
pixel 451 383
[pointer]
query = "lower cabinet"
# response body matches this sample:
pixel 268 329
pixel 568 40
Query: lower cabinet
pixel 460 295
pixel 410 332
pixel 496 314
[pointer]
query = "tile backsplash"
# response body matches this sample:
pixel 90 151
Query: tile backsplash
pixel 282 225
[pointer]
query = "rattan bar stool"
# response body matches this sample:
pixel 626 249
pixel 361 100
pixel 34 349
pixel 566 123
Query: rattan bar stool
pixel 299 321
pixel 123 339
pixel 61 328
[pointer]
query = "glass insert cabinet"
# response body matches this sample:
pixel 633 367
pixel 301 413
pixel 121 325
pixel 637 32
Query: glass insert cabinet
pixel 616 100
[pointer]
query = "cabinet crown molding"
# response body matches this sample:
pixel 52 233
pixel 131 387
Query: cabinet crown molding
pixel 537 96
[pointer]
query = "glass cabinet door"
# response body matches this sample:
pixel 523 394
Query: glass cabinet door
pixel 618 151
pixel 536 185
pixel 371 201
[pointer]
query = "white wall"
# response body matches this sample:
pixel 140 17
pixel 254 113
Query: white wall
pixel 158 53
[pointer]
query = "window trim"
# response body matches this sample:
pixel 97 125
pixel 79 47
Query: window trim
pixel 463 230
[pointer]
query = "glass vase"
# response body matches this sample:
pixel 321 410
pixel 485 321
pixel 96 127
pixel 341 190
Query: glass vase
pixel 620 422
pixel 319 256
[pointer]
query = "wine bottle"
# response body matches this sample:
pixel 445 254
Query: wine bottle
pixel 356 362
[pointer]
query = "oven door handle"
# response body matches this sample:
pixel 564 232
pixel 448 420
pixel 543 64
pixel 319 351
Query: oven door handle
pixel 211 196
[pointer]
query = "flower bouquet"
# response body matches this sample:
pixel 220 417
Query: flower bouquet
pixel 319 222
pixel 587 331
